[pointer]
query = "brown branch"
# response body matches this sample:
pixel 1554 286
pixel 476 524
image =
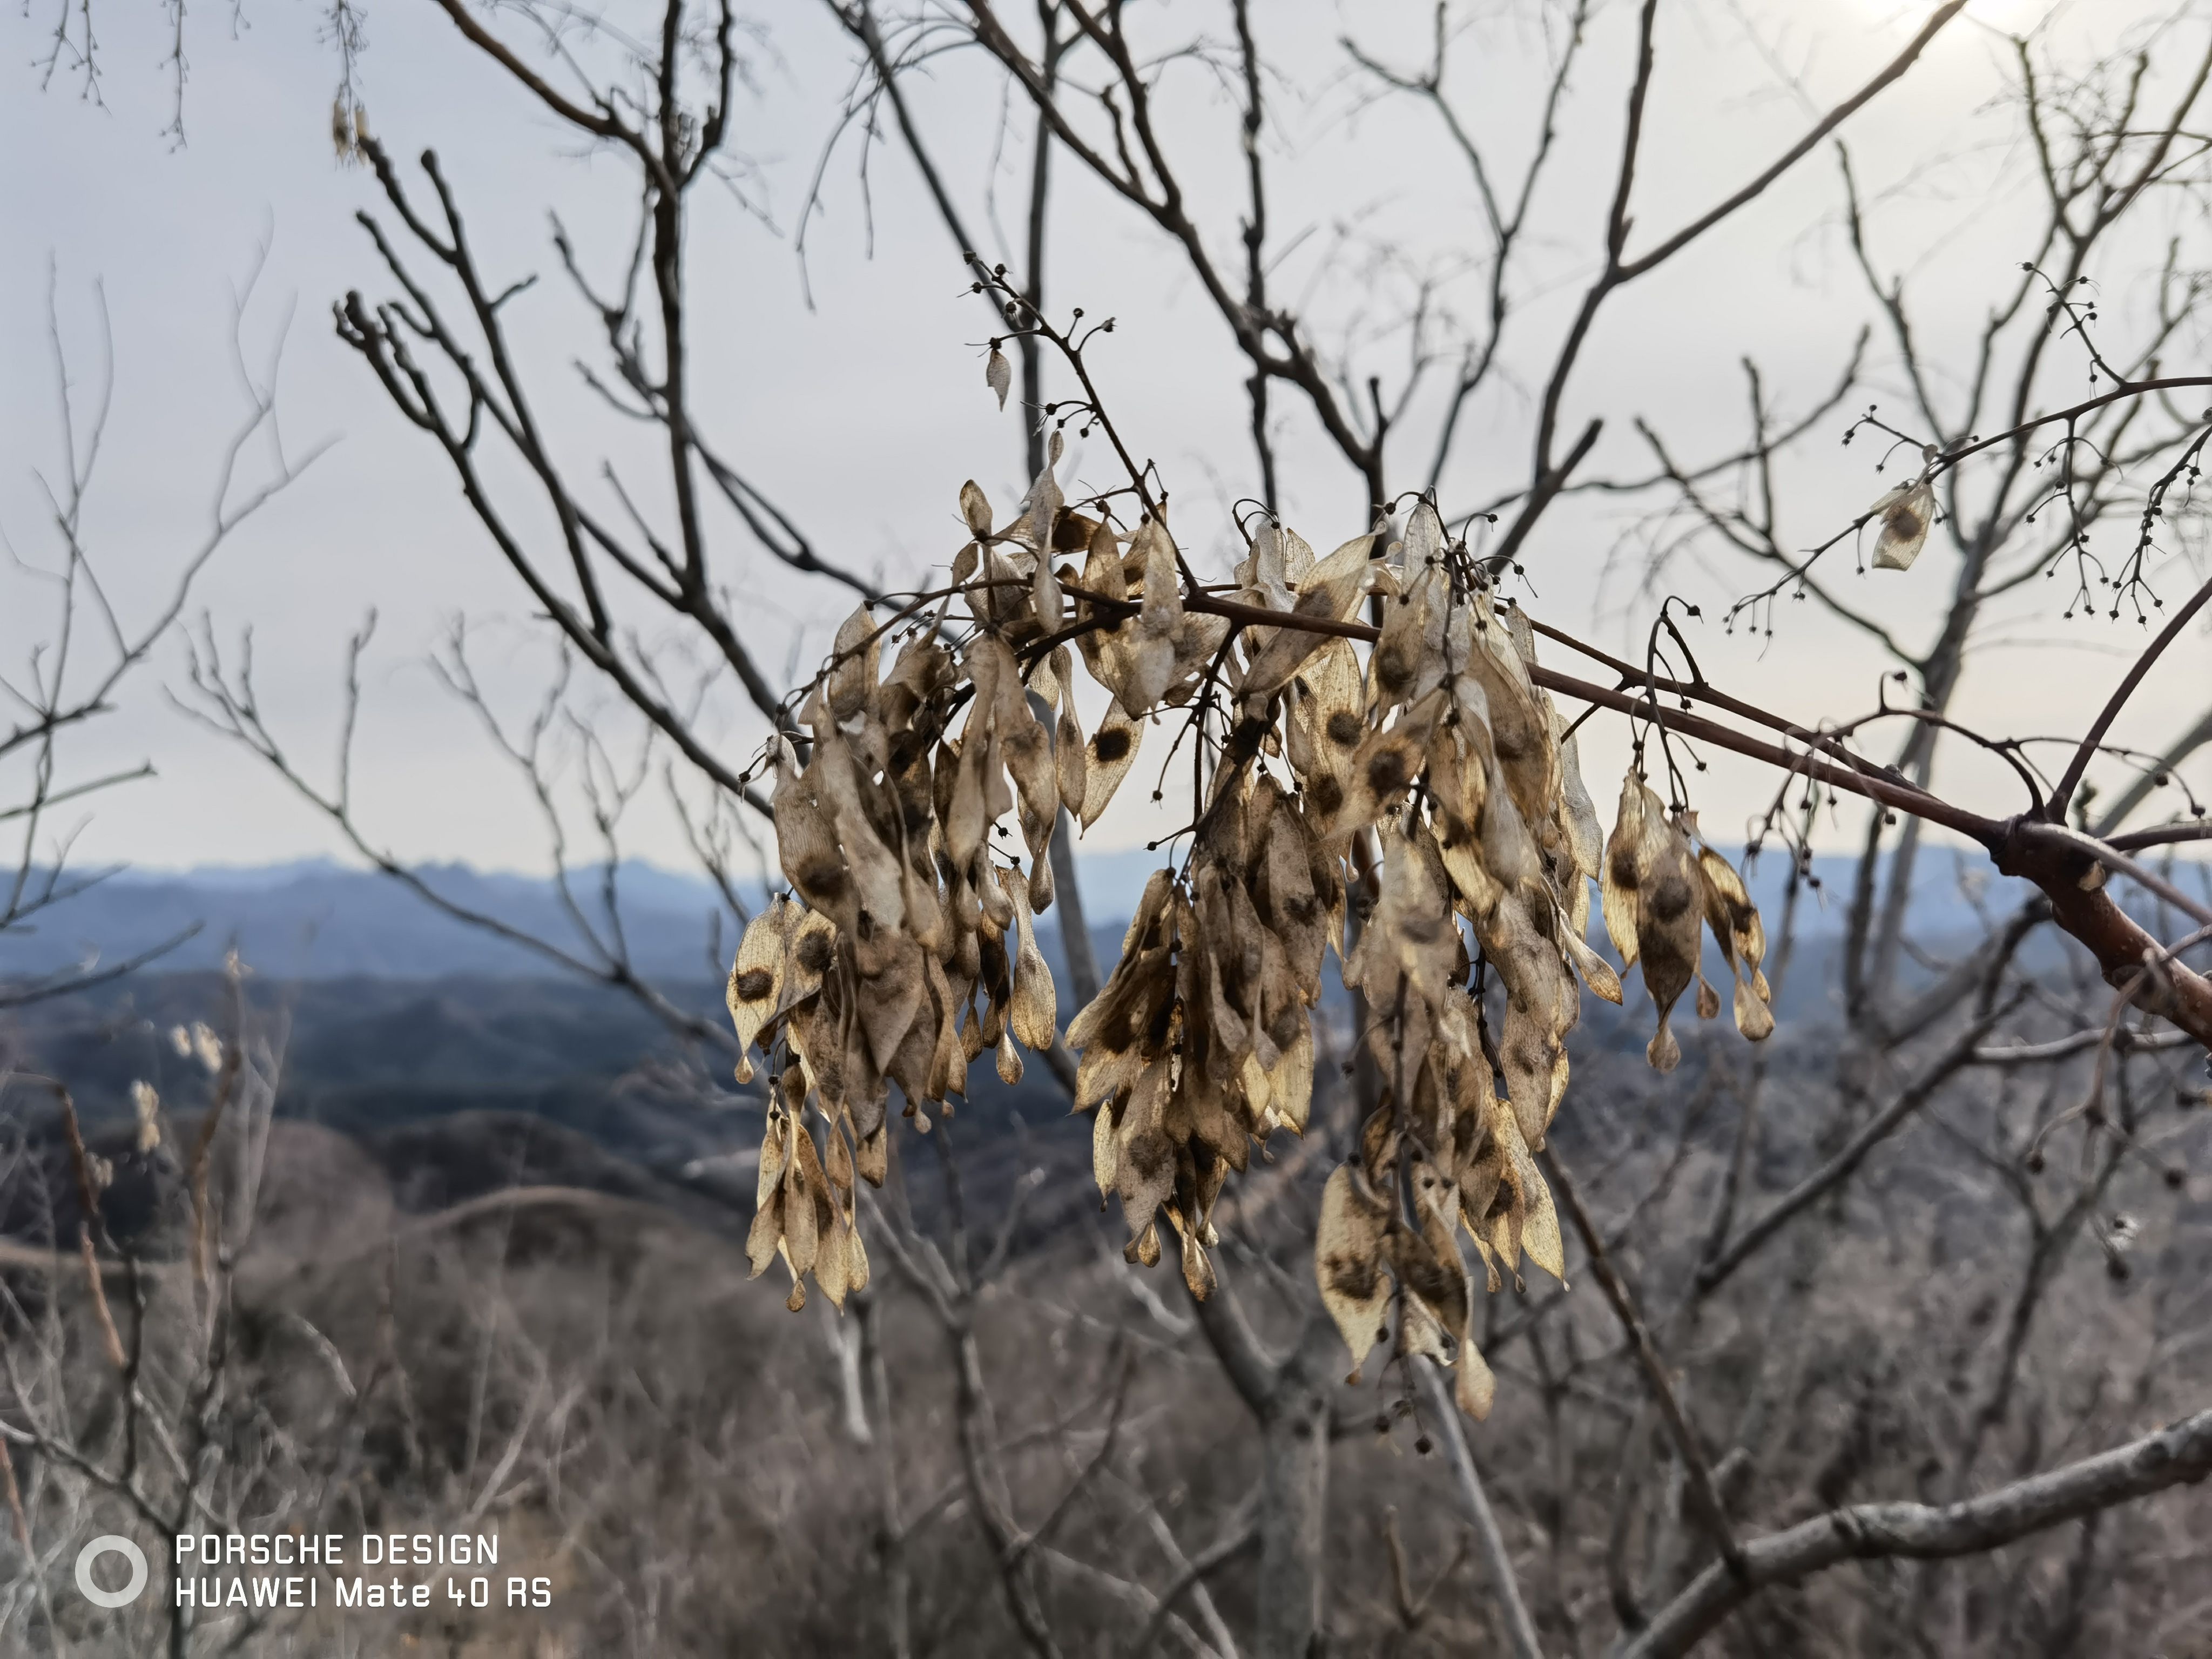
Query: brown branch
pixel 1798 151
pixel 231 711
pixel 1512 1611
pixel 69 981
pixel 2125 1040
pixel 1234 1544
pixel 1705 1494
pixel 599 123
pixel 1168 210
pixel 2091 740
pixel 14 1496
pixel 2059 862
pixel 1904 796
pixel 1962 1051
pixel 2115 860
pixel 2136 794
pixel 1619 271
pixel 2165 835
pixel 1123 1362
pixel 1827 742
pixel 2180 1454
pixel 2052 857
pixel 1254 1375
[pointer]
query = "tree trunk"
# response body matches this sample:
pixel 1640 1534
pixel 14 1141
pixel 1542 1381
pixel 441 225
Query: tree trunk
pixel 1294 1497
pixel 1293 1501
pixel 1289 1399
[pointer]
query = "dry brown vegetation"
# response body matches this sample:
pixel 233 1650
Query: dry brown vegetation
pixel 606 1385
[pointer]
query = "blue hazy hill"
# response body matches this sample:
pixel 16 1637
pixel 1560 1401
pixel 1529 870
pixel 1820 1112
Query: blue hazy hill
pixel 318 919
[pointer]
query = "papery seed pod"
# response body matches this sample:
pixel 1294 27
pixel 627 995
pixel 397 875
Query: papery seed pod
pixel 1040 506
pixel 1033 1018
pixel 1112 752
pixel 1327 724
pixel 1527 941
pixel 812 954
pixel 1263 575
pixel 1428 1262
pixel 1198 642
pixel 975 510
pixel 1906 512
pixel 890 1001
pixel 1578 816
pixel 1626 852
pixel 1144 1250
pixel 1330 593
pixel 1520 725
pixel 1424 539
pixel 1103 573
pixel 1145 1154
pixel 830 1258
pixel 857 651
pixel 1071 761
pixel 1348 1262
pixel 1654 904
pixel 1150 665
pixel 806 844
pixel 1523 1219
pixel 1432 765
pixel 1474 1386
pixel 1105 1142
pixel 873 884
pixel 1386 763
pixel 762 1238
pixel 1742 936
pixel 1597 973
pixel 837 1155
pixel 756 975
pixel 1045 596
pixel 1197 1269
pixel 1419 1333
pixel 1408 661
pixel 872 1157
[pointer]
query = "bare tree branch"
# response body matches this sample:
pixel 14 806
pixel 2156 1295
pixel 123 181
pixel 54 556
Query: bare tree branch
pixel 2180 1454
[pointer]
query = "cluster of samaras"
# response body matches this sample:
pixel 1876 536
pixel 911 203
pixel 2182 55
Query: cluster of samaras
pixel 1435 775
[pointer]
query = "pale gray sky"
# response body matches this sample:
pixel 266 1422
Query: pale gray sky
pixel 863 414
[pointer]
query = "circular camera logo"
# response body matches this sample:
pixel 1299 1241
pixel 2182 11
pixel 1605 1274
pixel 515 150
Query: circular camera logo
pixel 112 1544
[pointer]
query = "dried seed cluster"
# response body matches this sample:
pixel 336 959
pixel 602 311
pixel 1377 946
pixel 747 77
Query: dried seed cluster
pixel 1432 774
pixel 1906 512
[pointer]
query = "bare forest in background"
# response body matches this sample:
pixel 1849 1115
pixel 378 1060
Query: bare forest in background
pixel 1850 1299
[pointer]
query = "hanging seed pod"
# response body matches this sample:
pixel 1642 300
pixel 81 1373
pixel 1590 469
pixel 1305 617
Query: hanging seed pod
pixel 1425 778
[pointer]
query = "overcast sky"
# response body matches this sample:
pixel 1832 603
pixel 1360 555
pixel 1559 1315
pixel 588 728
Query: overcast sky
pixel 852 391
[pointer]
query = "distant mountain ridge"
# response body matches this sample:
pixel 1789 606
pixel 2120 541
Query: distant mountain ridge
pixel 318 919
